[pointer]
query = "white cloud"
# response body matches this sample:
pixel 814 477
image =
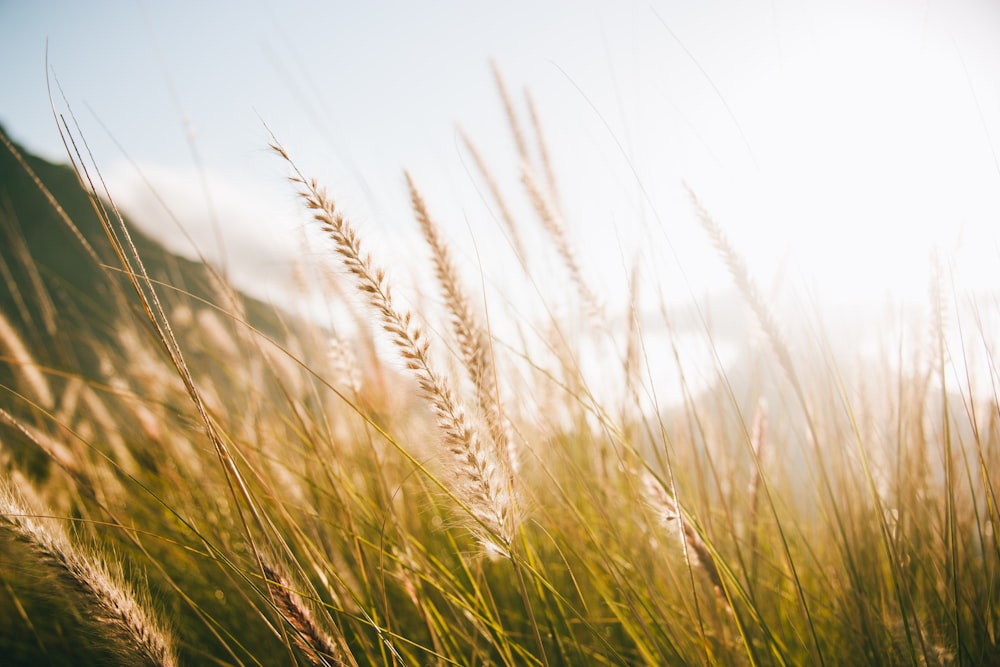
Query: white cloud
pixel 249 231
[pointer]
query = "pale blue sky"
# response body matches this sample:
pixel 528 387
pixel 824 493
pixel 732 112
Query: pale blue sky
pixel 847 135
pixel 385 72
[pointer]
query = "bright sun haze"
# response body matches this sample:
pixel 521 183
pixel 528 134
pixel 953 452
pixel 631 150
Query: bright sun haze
pixel 838 144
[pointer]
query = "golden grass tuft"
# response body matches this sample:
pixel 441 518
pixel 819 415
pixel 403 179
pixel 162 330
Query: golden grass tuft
pixel 112 607
pixel 317 644
pixel 482 485
pixel 472 335
pixel 696 552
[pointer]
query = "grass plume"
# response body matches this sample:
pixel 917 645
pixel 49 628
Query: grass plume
pixel 483 485
pixel 113 609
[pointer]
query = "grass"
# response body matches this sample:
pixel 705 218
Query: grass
pixel 428 491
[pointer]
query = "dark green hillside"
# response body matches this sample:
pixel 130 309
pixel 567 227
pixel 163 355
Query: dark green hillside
pixel 52 289
pixel 79 358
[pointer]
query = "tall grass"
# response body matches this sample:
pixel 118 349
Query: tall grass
pixel 420 493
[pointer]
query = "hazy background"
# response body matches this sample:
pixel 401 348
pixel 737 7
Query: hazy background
pixel 837 142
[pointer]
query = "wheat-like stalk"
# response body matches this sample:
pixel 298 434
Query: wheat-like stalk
pixel 746 284
pixel 345 364
pixel 498 199
pixel 543 150
pixel 473 338
pixel 315 642
pixel 697 552
pixel 633 337
pixel 758 446
pixel 480 474
pixel 508 106
pixel 21 358
pixel 556 230
pixel 119 614
pixel 57 452
pixel 759 452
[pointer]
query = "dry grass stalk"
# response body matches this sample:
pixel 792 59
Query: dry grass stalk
pixel 118 613
pixel 741 275
pixel 758 444
pixel 498 199
pixel 316 643
pixel 758 447
pixel 633 336
pixel 145 368
pixel 938 308
pixel 218 336
pixel 473 338
pixel 480 474
pixel 91 479
pixel 345 364
pixel 543 150
pixel 128 256
pixel 69 400
pixel 696 551
pixel 50 198
pixel 508 106
pixel 56 451
pixel 21 358
pixel 99 414
pixel 557 232
pixel 10 283
pixel 43 299
pixel 40 297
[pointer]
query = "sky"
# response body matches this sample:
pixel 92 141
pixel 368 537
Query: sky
pixel 839 143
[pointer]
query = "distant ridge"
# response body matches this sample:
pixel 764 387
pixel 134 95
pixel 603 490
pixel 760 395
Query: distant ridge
pixel 53 291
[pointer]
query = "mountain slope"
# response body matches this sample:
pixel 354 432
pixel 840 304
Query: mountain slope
pixel 55 293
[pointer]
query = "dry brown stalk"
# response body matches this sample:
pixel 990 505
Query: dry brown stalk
pixel 99 414
pixel 127 254
pixel 758 443
pixel 745 283
pixel 698 555
pixel 633 337
pixel 117 612
pixel 473 338
pixel 508 106
pixel 69 400
pixel 557 232
pixel 316 643
pixel 21 358
pixel 543 150
pixel 41 300
pixel 758 447
pixel 483 487
pixel 7 279
pixel 498 199
pixel 345 364
pixel 56 451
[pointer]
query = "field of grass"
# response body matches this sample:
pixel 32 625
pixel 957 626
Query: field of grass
pixel 425 491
